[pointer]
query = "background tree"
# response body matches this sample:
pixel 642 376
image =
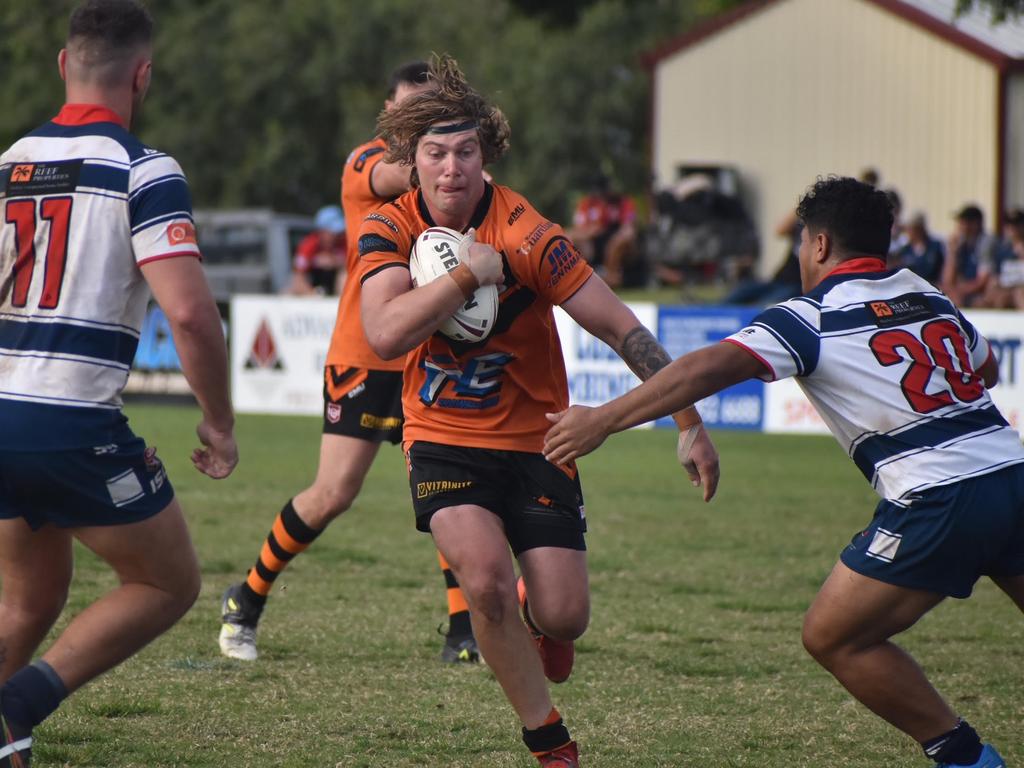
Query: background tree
pixel 1001 9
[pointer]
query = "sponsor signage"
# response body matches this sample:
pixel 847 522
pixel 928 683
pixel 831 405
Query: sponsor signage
pixel 684 329
pixel 278 348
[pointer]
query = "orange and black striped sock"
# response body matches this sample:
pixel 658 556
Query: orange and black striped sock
pixel 288 537
pixel 458 609
pixel 548 737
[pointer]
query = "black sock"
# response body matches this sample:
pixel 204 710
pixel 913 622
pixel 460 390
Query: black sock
pixel 548 737
pixel 32 694
pixel 459 624
pixel 960 746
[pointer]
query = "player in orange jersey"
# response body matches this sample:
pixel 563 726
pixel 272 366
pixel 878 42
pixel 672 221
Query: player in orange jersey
pixel 475 413
pixel 362 408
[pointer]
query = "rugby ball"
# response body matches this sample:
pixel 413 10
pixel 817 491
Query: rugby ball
pixel 434 254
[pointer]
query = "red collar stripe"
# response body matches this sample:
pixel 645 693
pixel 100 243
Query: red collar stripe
pixel 82 114
pixel 863 264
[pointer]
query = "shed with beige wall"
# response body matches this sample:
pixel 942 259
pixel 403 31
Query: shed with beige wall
pixel 786 90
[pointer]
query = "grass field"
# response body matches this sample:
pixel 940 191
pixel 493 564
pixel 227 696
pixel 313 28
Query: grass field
pixel 693 657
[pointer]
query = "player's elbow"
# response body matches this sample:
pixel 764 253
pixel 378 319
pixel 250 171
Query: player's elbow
pixel 385 345
pixel 196 317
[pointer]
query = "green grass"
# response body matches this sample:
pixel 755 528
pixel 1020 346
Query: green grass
pixel 693 656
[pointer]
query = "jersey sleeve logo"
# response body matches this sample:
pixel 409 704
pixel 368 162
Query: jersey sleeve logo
pixel 383 220
pixel 181 233
pixel 376 243
pixel 360 162
pixel 561 256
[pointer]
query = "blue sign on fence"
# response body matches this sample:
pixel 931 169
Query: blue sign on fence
pixel 684 329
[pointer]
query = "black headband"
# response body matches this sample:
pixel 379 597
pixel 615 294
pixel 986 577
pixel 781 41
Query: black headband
pixel 466 125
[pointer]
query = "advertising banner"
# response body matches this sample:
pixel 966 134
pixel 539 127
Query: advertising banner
pixel 684 329
pixel 278 348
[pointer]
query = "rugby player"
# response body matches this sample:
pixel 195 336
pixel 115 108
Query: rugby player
pixel 475 412
pixel 362 408
pixel 900 377
pixel 90 217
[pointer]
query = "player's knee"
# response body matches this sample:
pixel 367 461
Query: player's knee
pixel 328 503
pixel 567 622
pixel 819 642
pixel 38 614
pixel 490 596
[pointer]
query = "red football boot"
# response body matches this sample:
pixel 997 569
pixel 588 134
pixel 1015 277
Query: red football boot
pixel 563 757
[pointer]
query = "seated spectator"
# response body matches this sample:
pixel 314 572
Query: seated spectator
pixel 604 229
pixel 699 234
pixel 922 254
pixel 319 264
pixel 1006 290
pixel 899 235
pixel 970 259
pixel 785 283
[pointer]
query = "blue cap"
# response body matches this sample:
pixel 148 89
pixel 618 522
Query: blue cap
pixel 331 219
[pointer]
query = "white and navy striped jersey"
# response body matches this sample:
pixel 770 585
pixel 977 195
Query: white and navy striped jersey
pixel 82 204
pixel 889 363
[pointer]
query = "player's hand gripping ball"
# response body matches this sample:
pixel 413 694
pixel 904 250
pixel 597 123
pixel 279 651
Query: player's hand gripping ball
pixel 434 254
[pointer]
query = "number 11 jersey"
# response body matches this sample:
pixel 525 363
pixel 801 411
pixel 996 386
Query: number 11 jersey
pixel 83 203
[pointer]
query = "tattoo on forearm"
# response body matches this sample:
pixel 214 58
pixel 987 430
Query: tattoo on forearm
pixel 643 354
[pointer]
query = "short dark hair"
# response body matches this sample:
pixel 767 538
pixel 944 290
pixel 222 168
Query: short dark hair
pixel 855 215
pixel 110 26
pixel 971 212
pixel 413 73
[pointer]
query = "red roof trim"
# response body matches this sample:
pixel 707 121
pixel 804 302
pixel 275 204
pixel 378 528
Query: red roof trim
pixel 946 31
pixel 703 30
pixel 930 23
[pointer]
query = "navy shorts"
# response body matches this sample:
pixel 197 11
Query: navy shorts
pixel 113 484
pixel 362 403
pixel 948 536
pixel 540 505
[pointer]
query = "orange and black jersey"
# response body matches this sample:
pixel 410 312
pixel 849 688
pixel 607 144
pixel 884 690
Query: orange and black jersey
pixel 348 342
pixel 493 393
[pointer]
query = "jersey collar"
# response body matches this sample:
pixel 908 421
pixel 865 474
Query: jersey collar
pixel 475 221
pixel 81 114
pixel 863 264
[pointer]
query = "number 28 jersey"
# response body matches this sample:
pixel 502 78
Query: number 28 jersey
pixel 889 363
pixel 493 393
pixel 82 204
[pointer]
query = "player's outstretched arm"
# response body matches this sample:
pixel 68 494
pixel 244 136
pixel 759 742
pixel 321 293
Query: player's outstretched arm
pixel 180 288
pixel 577 431
pixel 597 309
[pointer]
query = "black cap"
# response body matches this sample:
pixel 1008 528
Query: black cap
pixel 970 213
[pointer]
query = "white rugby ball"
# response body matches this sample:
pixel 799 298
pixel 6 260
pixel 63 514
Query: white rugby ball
pixel 434 254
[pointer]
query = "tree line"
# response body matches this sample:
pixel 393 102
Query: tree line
pixel 260 101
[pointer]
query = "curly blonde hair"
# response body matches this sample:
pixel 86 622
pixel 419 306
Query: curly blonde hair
pixel 450 98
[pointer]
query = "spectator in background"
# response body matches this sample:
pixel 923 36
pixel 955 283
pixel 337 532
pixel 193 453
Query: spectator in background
pixel 970 261
pixel 870 176
pixel 921 253
pixel 1006 289
pixel 899 237
pixel 604 229
pixel 319 266
pixel 785 283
